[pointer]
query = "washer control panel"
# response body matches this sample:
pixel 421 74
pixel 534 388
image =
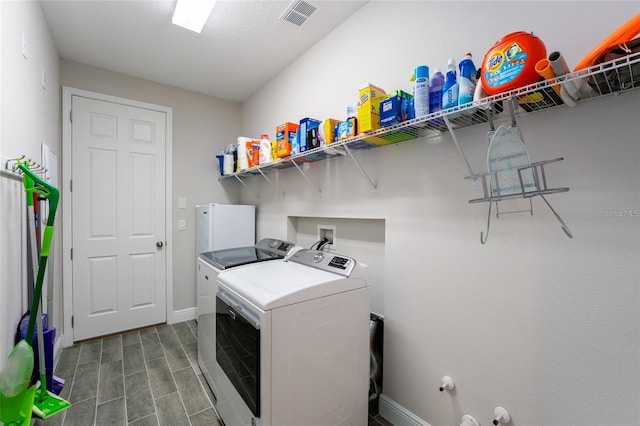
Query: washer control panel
pixel 275 246
pixel 338 264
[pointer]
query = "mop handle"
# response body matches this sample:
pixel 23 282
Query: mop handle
pixel 48 191
pixel 52 194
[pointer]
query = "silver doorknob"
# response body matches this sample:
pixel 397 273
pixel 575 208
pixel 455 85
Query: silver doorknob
pixel 159 244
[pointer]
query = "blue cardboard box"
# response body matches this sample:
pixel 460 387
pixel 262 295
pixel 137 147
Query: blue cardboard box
pixel 395 109
pixel 306 139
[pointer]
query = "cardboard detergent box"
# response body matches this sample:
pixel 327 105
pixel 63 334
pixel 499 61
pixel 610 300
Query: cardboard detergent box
pixel 395 109
pixel 308 134
pixel 369 100
pixel 327 131
pixel 346 129
pixel 286 135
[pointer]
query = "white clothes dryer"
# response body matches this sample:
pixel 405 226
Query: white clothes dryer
pixel 292 341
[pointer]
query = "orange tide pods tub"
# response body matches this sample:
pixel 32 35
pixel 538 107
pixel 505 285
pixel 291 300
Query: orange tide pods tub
pixel 511 62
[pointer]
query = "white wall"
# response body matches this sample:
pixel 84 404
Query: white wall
pixel 202 127
pixel 29 116
pixel 362 236
pixel 543 325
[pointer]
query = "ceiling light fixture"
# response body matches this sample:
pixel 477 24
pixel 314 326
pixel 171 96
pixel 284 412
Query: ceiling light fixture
pixel 192 14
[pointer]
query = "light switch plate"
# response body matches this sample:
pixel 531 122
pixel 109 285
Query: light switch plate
pixel 182 203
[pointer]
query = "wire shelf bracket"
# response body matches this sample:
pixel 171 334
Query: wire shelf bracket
pixel 364 173
pixel 306 177
pixel 245 185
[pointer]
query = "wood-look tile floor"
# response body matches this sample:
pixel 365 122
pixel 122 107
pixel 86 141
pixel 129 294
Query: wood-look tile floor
pixel 140 378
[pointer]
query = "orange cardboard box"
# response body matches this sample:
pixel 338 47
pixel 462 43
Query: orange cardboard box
pixel 285 135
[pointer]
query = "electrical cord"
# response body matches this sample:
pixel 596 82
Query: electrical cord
pixel 324 242
pixel 314 245
pixel 319 244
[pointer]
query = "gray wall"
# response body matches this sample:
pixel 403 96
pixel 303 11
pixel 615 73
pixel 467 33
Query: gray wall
pixel 546 326
pixel 29 117
pixel 202 127
pixel 543 325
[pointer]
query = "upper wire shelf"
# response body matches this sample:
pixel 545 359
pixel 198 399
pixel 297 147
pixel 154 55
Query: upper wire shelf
pixel 613 77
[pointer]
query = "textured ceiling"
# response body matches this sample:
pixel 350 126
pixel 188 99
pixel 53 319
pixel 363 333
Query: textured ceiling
pixel 243 45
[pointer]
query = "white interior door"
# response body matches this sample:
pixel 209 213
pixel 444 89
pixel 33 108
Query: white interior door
pixel 118 216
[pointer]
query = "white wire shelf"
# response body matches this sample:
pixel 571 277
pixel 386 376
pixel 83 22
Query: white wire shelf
pixel 608 78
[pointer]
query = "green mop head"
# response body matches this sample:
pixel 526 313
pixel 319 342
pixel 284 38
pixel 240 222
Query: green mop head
pixel 46 404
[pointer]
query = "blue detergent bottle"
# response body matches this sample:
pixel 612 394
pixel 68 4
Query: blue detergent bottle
pixel 450 88
pixel 467 84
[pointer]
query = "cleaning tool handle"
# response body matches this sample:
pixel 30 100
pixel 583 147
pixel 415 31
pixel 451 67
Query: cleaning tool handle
pixel 46 240
pixel 52 194
pixel 37 290
pixel 28 186
pixel 45 189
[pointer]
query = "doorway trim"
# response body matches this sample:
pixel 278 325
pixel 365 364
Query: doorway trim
pixel 67 275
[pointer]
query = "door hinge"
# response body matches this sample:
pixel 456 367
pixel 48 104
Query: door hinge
pixel 71 115
pixel 72 254
pixel 71 321
pixel 71 185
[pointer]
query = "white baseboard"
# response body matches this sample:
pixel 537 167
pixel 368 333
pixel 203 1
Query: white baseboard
pixel 182 315
pixel 397 414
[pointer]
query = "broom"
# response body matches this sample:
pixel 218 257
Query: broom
pixel 45 403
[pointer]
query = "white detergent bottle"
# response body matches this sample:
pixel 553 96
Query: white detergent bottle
pixel 227 161
pixel 243 160
pixel 421 91
pixel 467 85
pixel 265 149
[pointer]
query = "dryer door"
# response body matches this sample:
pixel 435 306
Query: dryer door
pixel 238 348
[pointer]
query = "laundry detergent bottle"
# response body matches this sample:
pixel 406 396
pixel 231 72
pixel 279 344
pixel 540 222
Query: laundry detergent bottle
pixel 435 91
pixel 467 85
pixel 450 89
pixel 265 149
pixel 228 161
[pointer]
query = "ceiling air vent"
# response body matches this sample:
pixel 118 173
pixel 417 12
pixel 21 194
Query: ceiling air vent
pixel 298 12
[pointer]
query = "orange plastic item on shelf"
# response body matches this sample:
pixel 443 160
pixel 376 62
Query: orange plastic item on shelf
pixel 543 67
pixel 625 32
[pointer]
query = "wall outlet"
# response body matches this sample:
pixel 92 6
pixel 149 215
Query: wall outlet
pixel 474 184
pixel 182 225
pixel 328 232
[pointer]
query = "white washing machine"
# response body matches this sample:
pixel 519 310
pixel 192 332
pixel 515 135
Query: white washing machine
pixel 292 342
pixel 209 265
